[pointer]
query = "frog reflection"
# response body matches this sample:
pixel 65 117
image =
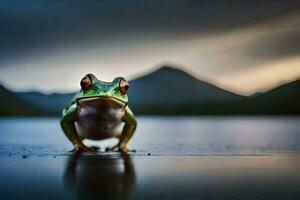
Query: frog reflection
pixel 99 177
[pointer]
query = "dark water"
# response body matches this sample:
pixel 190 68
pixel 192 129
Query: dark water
pixel 176 158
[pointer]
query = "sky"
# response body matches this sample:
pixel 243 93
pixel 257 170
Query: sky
pixel 242 46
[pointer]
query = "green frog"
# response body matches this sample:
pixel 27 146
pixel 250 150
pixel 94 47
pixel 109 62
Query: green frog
pixel 99 110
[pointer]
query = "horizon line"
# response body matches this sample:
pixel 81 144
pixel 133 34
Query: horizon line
pixel 141 75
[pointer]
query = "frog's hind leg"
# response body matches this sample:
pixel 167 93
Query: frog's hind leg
pixel 127 132
pixel 68 126
pixel 113 147
pixel 92 147
pixel 85 148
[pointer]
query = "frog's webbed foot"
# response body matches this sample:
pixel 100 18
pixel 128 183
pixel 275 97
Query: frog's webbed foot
pixel 111 148
pixel 119 148
pixel 126 150
pixel 82 147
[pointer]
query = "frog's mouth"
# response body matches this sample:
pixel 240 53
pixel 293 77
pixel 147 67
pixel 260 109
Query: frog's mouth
pixel 101 100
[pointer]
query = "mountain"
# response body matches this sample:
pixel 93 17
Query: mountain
pixel 168 91
pixel 10 104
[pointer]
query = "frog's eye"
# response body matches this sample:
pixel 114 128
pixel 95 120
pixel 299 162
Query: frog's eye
pixel 123 86
pixel 86 83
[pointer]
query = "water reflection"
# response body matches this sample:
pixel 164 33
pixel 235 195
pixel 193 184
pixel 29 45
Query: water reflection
pixel 99 176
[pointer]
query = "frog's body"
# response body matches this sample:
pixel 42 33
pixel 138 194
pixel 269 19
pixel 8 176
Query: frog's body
pixel 99 111
pixel 99 118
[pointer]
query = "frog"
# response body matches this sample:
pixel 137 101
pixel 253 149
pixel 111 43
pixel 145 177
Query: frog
pixel 99 111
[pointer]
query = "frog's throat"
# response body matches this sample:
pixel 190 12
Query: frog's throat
pixel 106 98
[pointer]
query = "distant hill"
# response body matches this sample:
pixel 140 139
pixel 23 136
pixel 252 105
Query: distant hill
pixel 10 104
pixel 284 99
pixel 168 91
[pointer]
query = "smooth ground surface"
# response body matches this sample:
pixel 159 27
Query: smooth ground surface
pixel 176 158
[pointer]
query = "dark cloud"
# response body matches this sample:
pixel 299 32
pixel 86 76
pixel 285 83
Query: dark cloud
pixel 277 46
pixel 32 26
pixel 282 39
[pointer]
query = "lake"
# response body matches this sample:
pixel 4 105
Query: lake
pixel 163 135
pixel 175 158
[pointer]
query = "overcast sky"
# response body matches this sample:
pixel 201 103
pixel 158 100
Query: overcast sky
pixel 243 46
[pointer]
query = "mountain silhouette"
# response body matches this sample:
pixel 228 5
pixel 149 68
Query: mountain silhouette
pixel 284 100
pixel 169 87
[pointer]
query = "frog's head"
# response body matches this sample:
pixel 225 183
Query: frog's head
pixel 91 87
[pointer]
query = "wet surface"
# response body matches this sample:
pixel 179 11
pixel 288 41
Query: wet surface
pixel 176 158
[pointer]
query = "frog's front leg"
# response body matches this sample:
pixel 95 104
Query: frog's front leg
pixel 127 132
pixel 68 125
